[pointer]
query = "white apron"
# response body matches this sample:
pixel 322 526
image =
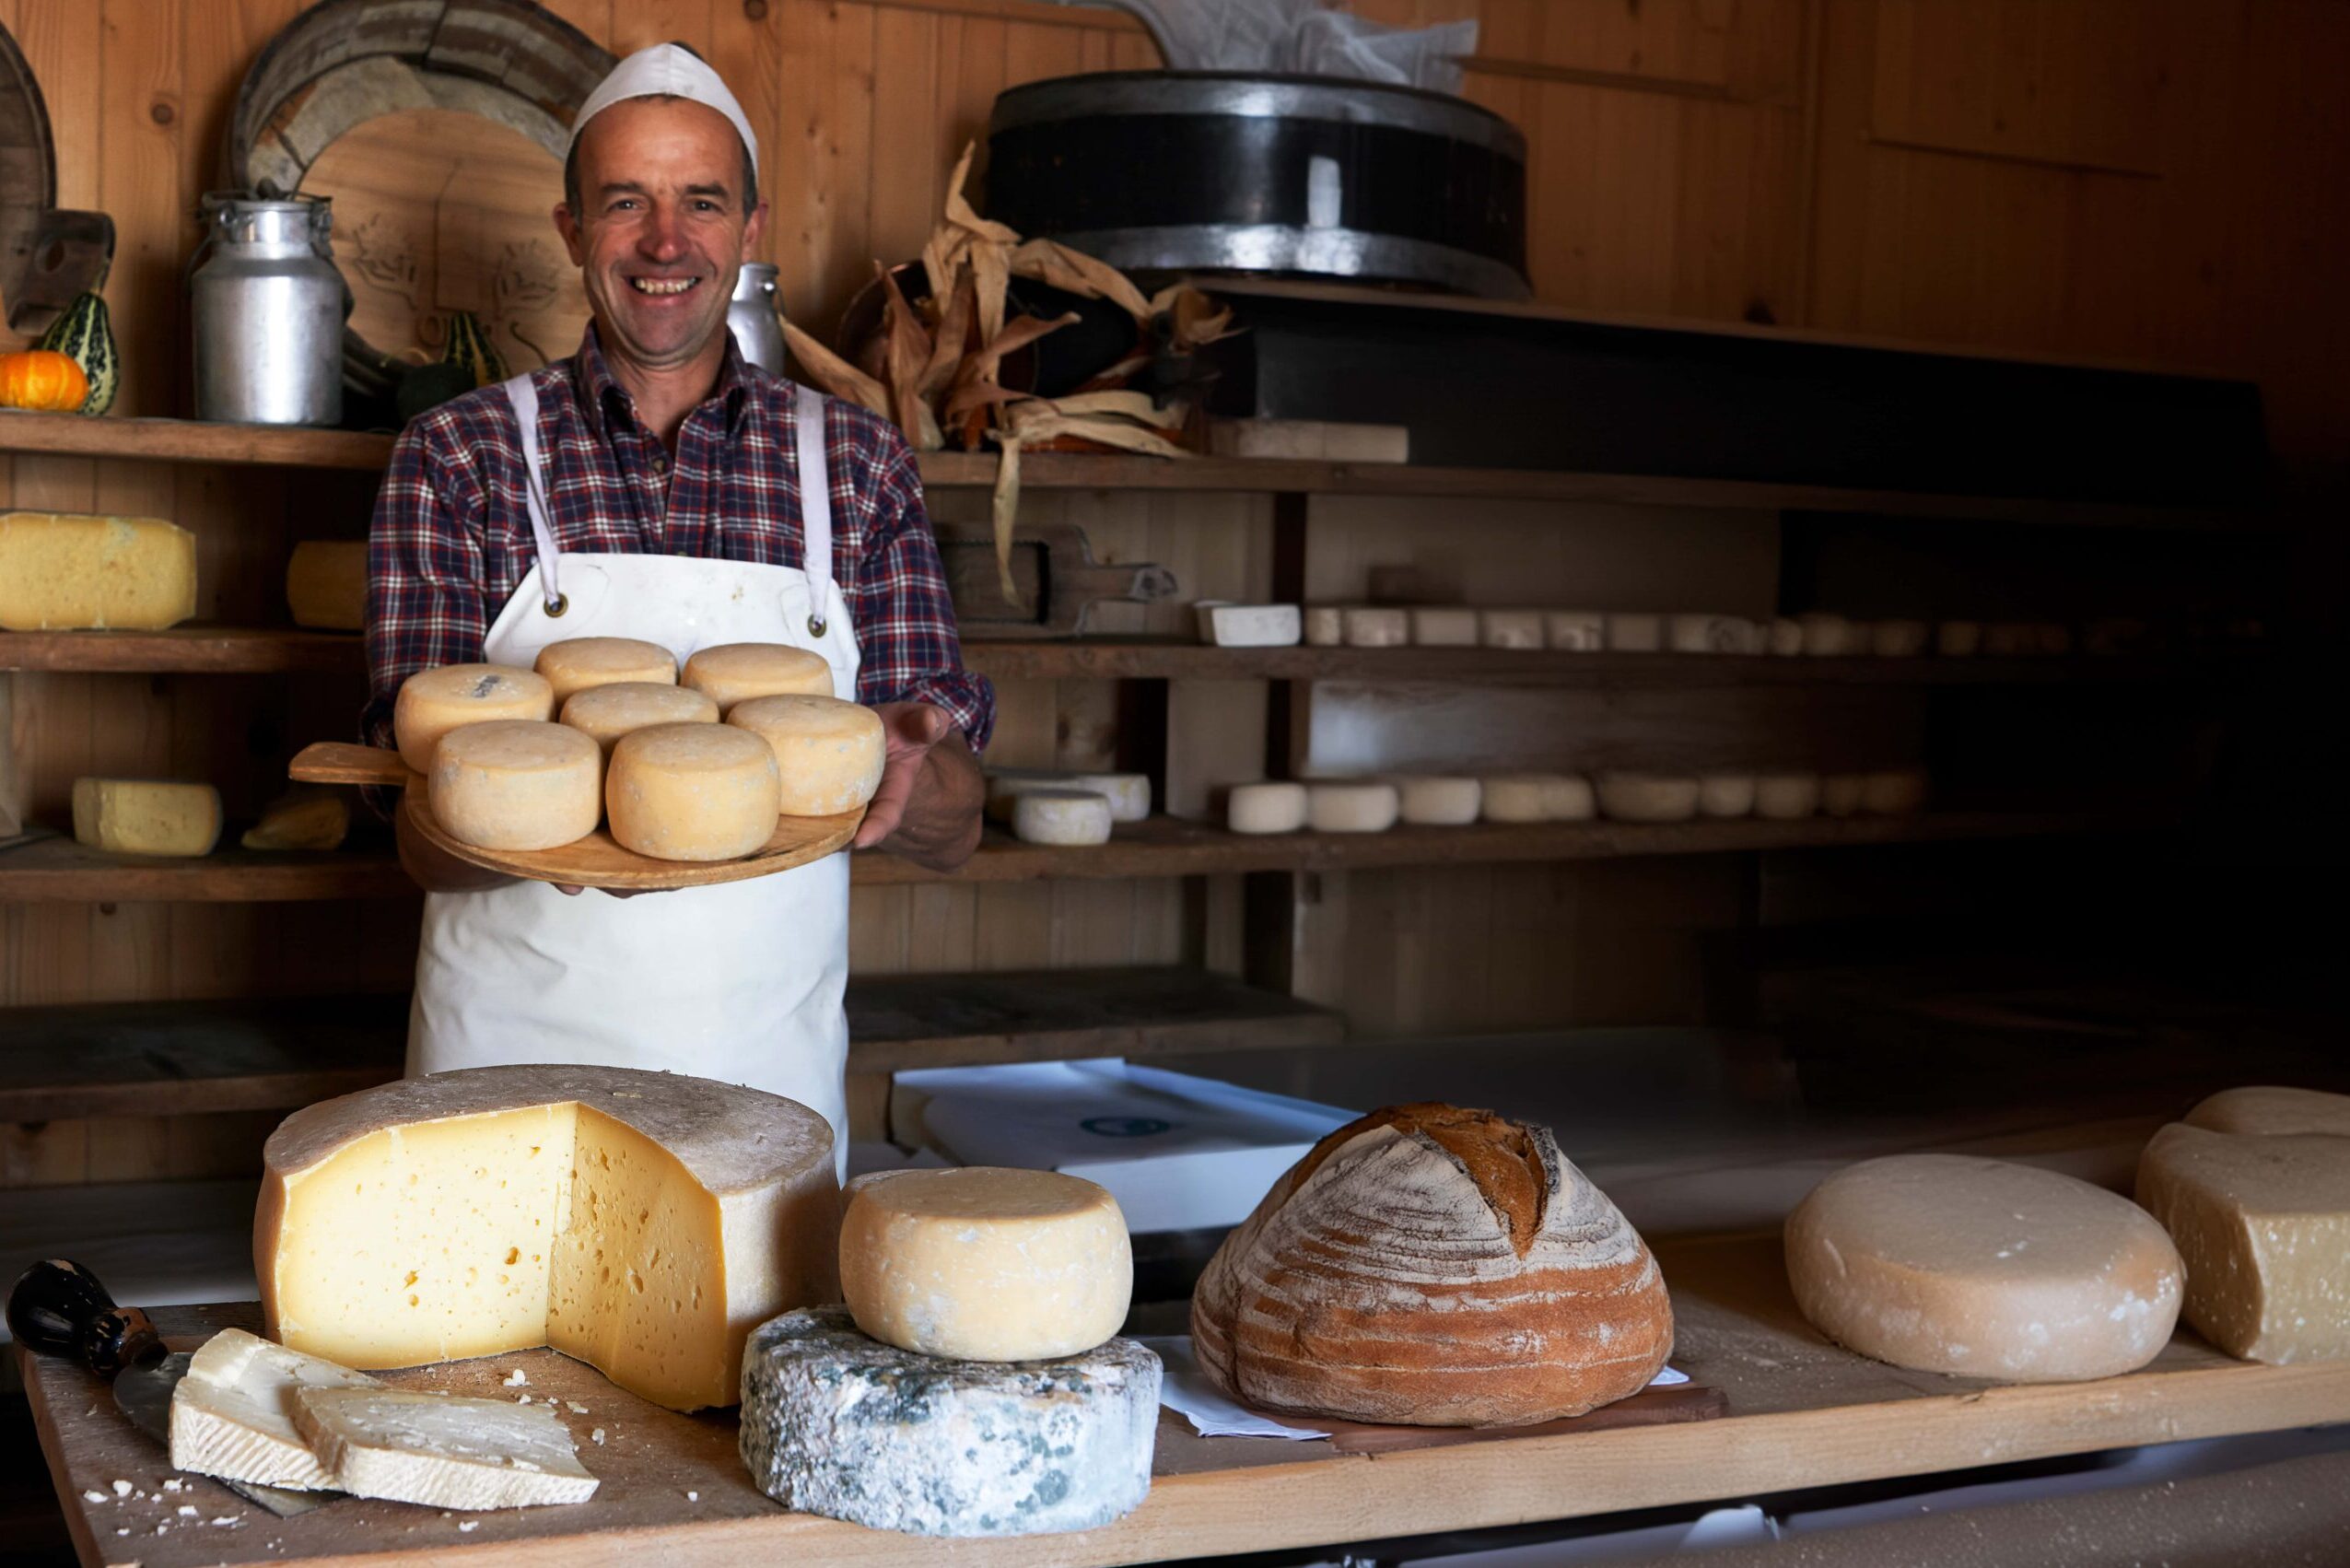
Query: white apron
pixel 741 981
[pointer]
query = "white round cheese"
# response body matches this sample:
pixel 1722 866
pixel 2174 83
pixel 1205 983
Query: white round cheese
pixel 1896 639
pixel 1325 625
pixel 1726 795
pixel 1647 797
pixel 1827 636
pixel 1893 793
pixel 1635 632
pixel 1438 803
pixel 737 671
pixel 1959 639
pixel 1786 797
pixel 985 1263
pixel 1352 805
pixel 1275 806
pixel 1711 634
pixel 581 663
pixel 605 713
pixel 692 792
pixel 1444 626
pixel 1568 797
pixel 1515 798
pixel 433 702
pixel 1068 817
pixel 1576 631
pixel 2049 637
pixel 1785 637
pixel 1127 793
pixel 2009 640
pixel 1370 627
pixel 1511 629
pixel 1839 793
pixel 516 784
pixel 828 753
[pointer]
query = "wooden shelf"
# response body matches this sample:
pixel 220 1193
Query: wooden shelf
pixel 53 869
pixel 189 440
pixel 190 650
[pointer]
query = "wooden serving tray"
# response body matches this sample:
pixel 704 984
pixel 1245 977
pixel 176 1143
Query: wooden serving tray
pixel 593 861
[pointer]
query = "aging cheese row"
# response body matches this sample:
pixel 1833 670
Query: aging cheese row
pixel 1374 806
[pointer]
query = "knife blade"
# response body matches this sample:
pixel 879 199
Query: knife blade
pixel 60 1308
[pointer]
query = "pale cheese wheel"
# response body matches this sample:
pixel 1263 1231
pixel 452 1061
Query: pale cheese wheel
pixel 737 671
pixel 1511 629
pixel 2052 636
pixel 1275 806
pixel 579 664
pixel 1893 793
pixel 605 713
pixel 1325 625
pixel 1831 637
pixel 1983 1269
pixel 1635 633
pixel 1576 631
pixel 326 584
pixel 1370 627
pixel 1783 637
pixel 1439 801
pixel 1785 797
pixel 1514 798
pixel 1568 797
pixel 692 792
pixel 1647 797
pixel 828 753
pixel 2268 1108
pixel 1713 633
pixel 1065 817
pixel 433 702
pixel 1896 639
pixel 1128 793
pixel 2009 640
pixel 1004 785
pixel 1726 795
pixel 1959 639
pixel 985 1263
pixel 1352 805
pixel 1444 626
pixel 1839 793
pixel 517 784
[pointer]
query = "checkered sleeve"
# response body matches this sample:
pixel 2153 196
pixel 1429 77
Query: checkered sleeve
pixel 905 620
pixel 424 568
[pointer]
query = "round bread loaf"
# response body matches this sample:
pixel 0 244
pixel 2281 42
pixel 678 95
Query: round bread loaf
pixel 581 663
pixel 1433 1265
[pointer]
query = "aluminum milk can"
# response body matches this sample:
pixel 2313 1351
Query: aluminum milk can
pixel 755 314
pixel 268 307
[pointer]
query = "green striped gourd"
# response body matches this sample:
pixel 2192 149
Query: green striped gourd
pixel 469 346
pixel 84 334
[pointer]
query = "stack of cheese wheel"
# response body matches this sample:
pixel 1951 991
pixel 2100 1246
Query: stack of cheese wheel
pixel 1070 809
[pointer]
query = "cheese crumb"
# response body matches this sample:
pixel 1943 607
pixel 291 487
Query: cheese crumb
pixel 515 1379
pixel 93 1496
pixel 172 1484
pixel 521 1398
pixel 576 1409
pixel 226 1519
pixel 596 1436
pixel 122 1530
pixel 122 1489
pixel 187 1510
pixel 693 1497
pixel 470 1526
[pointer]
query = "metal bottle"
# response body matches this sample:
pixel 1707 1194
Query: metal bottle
pixel 755 314
pixel 268 306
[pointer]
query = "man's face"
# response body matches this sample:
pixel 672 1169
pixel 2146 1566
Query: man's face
pixel 661 229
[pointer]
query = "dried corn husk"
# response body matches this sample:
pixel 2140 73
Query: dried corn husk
pixel 832 373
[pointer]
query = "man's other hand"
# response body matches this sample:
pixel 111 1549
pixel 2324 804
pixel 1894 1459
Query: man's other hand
pixel 926 808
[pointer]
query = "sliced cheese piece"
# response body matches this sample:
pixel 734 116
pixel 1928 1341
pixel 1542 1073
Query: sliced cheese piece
pixel 1325 625
pixel 1635 632
pixel 146 817
pixel 1247 625
pixel 1839 793
pixel 1713 633
pixel 1896 639
pixel 517 784
pixel 1516 797
pixel 1647 797
pixel 1726 795
pixel 1948 1263
pixel 302 819
pixel 1275 806
pixel 1444 626
pixel 1894 792
pixel 2267 1109
pixel 1352 805
pixel 1427 802
pixel 1783 637
pixel 233 1414
pixel 1785 797
pixel 326 584
pixel 1959 639
pixel 737 671
pixel 443 1450
pixel 1372 626
pixel 985 1263
pixel 579 664
pixel 828 754
pixel 1511 629
pixel 1074 818
pixel 605 713
pixel 692 792
pixel 642 1221
pixel 1827 636
pixel 62 571
pixel 1576 631
pixel 433 702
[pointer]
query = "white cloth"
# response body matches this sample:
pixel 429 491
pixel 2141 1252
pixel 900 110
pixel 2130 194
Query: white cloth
pixel 666 71
pixel 741 981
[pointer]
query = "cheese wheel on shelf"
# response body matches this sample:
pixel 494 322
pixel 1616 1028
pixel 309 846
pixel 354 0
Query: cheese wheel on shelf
pixel 2009 640
pixel 1711 634
pixel 828 753
pixel 433 702
pixel 1635 632
pixel 1275 806
pixel 516 784
pixel 985 1263
pixel 1325 625
pixel 578 664
pixel 2264 1108
pixel 326 584
pixel 2052 637
pixel 1839 793
pixel 1514 798
pixel 605 713
pixel 1352 805
pixel 1074 818
pixel 737 671
pixel 62 571
pixel 146 817
pixel 1373 626
pixel 1444 626
pixel 1893 793
pixel 1510 628
pixel 1647 797
pixel 1829 637
pixel 1785 797
pixel 692 792
pixel 1896 639
pixel 1428 802
pixel 1783 637
pixel 1568 797
pixel 1127 793
pixel 1959 639
pixel 1726 795
pixel 1576 631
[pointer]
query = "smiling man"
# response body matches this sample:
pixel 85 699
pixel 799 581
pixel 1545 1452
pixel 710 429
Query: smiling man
pixel 658 487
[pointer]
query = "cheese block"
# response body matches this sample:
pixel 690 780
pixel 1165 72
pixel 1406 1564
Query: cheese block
pixel 1247 625
pixel 1352 805
pixel 433 702
pixel 1325 625
pixel 233 1414
pixel 1839 793
pixel 1783 637
pixel 1893 793
pixel 1827 636
pixel 1438 803
pixel 736 672
pixel 1074 818
pixel 1984 1268
pixel 1785 797
pixel 692 792
pixel 985 1263
pixel 1514 796
pixel 326 584
pixel 517 784
pixel 146 817
pixel 1511 629
pixel 2262 1221
pixel 1713 633
pixel 605 713
pixel 1370 626
pixel 1444 626
pixel 836 1423
pixel 1635 633
pixel 1272 807
pixel 62 571
pixel 2266 1109
pixel 442 1450
pixel 1647 797
pixel 306 818
pixel 1896 639
pixel 642 1221
pixel 579 664
pixel 1568 797
pixel 1959 639
pixel 828 754
pixel 1576 631
pixel 1726 795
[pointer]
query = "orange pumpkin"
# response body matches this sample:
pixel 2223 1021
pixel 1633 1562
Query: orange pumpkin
pixel 40 378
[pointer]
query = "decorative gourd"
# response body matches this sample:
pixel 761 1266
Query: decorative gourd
pixel 42 381
pixel 469 346
pixel 84 334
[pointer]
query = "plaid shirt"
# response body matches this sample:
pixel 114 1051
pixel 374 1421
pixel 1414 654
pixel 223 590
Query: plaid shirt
pixel 451 539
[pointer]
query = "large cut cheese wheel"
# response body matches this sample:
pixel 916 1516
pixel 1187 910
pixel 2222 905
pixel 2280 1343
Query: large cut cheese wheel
pixel 60 571
pixel 605 713
pixel 692 792
pixel 737 671
pixel 516 784
pixel 643 1221
pixel 1946 1263
pixel 146 817
pixel 433 702
pixel 828 753
pixel 579 664
pixel 986 1263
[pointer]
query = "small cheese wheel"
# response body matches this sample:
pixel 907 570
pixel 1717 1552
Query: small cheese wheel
pixel 2268 1109
pixel 1514 796
pixel 1352 805
pixel 326 584
pixel 1006 783
pixel 692 792
pixel 141 816
pixel 985 1263
pixel 1786 797
pixel 1959 639
pixel 577 663
pixel 737 671
pixel 1896 639
pixel 1647 797
pixel 1069 817
pixel 1325 625
pixel 1444 626
pixel 1711 634
pixel 433 702
pixel 1893 793
pixel 1568 797
pixel 1438 803
pixel 1829 637
pixel 1839 793
pixel 2009 640
pixel 1576 631
pixel 1635 633
pixel 2049 637
pixel 1785 637
pixel 1370 626
pixel 827 752
pixel 605 713
pixel 1275 806
pixel 517 784
pixel 1726 795
pixel 1511 629
pixel 1128 793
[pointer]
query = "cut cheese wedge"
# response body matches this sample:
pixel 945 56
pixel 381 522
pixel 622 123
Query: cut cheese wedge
pixel 442 1450
pixel 233 1414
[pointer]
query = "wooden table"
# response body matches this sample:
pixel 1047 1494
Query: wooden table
pixel 1803 1413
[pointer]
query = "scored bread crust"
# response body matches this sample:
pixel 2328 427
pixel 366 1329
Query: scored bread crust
pixel 1433 1265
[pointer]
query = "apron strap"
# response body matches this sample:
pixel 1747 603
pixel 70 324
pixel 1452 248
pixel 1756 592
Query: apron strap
pixel 525 399
pixel 815 502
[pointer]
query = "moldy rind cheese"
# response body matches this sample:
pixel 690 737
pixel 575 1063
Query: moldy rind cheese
pixel 433 702
pixel 642 1221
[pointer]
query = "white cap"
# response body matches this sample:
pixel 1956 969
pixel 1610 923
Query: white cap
pixel 666 70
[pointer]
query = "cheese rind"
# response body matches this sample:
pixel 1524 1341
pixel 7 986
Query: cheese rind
pixel 692 792
pixel 1372 626
pixel 516 784
pixel 1072 818
pixel 1275 806
pixel 1325 625
pixel 737 671
pixel 1576 631
pixel 1635 632
pixel 2265 1108
pixel 1511 629
pixel 1352 805
pixel 985 1263
pixel 828 754
pixel 1568 797
pixel 233 1413
pixel 1431 802
pixel 1647 797
pixel 1726 795
pixel 443 1451
pixel 1713 633
pixel 433 702
pixel 605 713
pixel 1444 626
pixel 66 571
pixel 326 584
pixel 581 663
pixel 1515 798
pixel 146 817
pixel 1247 625
pixel 1785 797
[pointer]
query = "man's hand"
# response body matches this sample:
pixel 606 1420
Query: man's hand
pixel 433 868
pixel 926 808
